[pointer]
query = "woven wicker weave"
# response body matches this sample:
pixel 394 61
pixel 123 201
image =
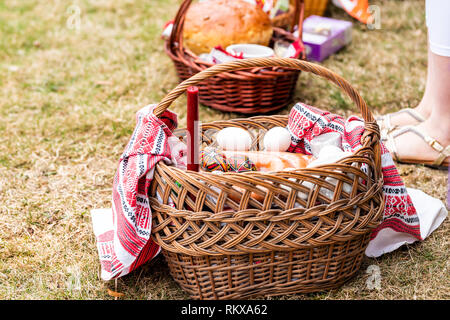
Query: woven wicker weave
pixel 309 232
pixel 253 91
pixel 315 7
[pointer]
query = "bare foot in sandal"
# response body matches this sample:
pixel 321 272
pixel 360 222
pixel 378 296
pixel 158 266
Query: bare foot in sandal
pixel 426 143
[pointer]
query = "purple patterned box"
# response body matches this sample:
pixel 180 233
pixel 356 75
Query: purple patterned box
pixel 324 36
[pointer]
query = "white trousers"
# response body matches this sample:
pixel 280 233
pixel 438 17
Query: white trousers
pixel 437 13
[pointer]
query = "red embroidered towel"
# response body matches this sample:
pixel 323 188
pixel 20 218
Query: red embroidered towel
pixel 306 122
pixel 123 233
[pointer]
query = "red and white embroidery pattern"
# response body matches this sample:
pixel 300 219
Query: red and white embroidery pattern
pixel 306 122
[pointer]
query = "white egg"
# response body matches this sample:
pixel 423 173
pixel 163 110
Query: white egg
pixel 277 139
pixel 328 150
pixel 234 139
pixel 325 139
pixel 329 157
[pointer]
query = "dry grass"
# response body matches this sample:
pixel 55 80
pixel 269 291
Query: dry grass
pixel 67 105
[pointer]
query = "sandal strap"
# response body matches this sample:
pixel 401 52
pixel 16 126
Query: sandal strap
pixel 385 124
pixel 442 156
pixel 432 142
pixel 413 113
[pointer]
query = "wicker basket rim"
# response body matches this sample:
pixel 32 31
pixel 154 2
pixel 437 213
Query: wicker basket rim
pixel 313 170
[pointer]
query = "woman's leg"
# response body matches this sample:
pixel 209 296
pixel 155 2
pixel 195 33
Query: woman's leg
pixel 436 99
pixel 435 105
pixel 437 108
pixel 438 121
pixel 438 23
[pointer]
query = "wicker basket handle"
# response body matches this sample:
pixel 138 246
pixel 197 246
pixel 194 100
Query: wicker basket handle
pixel 176 36
pixel 267 62
pixel 371 135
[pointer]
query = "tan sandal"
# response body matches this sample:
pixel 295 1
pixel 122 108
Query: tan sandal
pixel 386 126
pixel 438 163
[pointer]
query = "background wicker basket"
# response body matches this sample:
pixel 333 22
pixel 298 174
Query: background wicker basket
pixel 253 91
pixel 315 7
pixel 221 243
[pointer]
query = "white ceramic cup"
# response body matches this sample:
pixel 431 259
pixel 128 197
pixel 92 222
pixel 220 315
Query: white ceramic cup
pixel 250 50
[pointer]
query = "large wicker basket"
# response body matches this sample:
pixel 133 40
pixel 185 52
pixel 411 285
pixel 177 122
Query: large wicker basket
pixel 222 243
pixel 253 91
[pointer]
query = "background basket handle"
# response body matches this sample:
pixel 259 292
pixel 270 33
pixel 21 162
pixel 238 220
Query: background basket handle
pixel 299 16
pixel 176 36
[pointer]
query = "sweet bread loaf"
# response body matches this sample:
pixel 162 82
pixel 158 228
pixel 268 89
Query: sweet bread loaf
pixel 224 22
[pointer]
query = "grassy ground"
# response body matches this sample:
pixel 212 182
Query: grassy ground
pixel 68 98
